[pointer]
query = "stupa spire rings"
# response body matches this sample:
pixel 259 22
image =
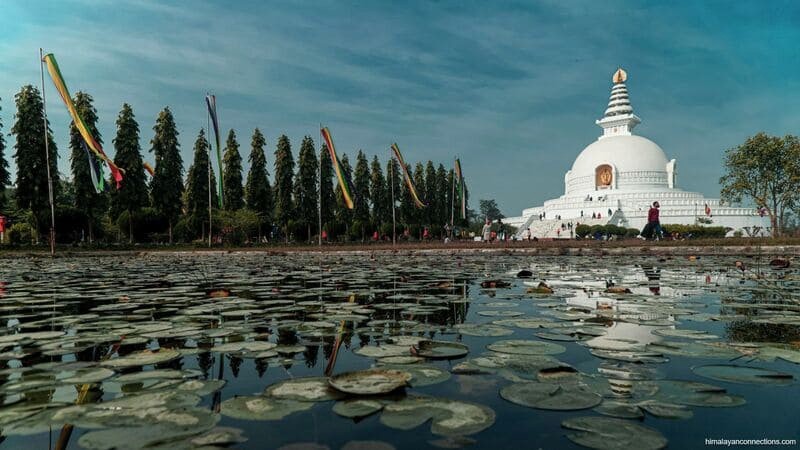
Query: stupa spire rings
pixel 618 118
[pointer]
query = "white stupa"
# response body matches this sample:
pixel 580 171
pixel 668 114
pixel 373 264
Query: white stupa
pixel 619 176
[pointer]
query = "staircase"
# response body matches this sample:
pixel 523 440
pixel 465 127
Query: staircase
pixel 547 229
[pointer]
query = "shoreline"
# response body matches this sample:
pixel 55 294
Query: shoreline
pixel 785 248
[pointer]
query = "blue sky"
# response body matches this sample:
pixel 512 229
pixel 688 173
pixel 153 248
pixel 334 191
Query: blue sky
pixel 513 88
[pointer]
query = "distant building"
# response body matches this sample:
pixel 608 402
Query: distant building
pixel 617 178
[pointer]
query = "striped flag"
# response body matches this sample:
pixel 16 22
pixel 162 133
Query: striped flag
pixel 58 80
pixel 149 169
pixel 460 188
pixel 344 182
pixel 409 182
pixel 211 102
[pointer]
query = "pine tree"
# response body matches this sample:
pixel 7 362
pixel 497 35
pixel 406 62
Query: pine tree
pixel 361 192
pixel 377 192
pixel 258 193
pixel 394 189
pixel 344 216
pixel 232 191
pixel 197 179
pixel 86 198
pixel 305 187
pixel 431 197
pixel 5 176
pixel 32 185
pixel 419 185
pixel 167 184
pixel 284 174
pixel 326 187
pixel 443 194
pixel 408 210
pixel 132 195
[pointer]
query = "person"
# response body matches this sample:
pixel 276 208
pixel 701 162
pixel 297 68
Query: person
pixel 447 231
pixel 487 231
pixel 653 226
pixel 2 229
pixel 558 233
pixel 426 234
pixel 501 231
pixel 609 212
pixel 375 236
pixel 527 234
pixel 594 216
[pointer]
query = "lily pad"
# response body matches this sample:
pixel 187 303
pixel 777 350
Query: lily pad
pixel 307 389
pixel 143 358
pixel 483 330
pixel 440 349
pixel 606 433
pixel 357 408
pixel 370 382
pixel 522 347
pixel 449 417
pixel 554 396
pixel 743 374
pixel 260 407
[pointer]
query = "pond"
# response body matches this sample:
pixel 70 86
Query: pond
pixel 382 351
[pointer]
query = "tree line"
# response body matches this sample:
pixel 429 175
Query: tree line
pixel 170 208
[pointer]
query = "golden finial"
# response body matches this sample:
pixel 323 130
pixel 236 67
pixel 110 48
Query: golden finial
pixel 620 76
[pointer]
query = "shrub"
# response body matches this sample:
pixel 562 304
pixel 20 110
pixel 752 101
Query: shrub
pixel 21 233
pixel 695 231
pixel 147 224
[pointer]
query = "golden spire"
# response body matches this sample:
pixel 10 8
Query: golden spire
pixel 619 76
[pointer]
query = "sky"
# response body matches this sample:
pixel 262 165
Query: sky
pixel 512 88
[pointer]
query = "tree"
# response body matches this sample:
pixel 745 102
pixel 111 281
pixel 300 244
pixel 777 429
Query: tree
pixel 394 187
pixel 305 187
pixel 361 192
pixel 377 192
pixel 443 193
pixel 421 214
pixel 258 193
pixel 326 187
pixel 431 196
pixel 132 194
pixel 490 210
pixel 86 199
pixel 197 179
pixel 408 211
pixel 32 191
pixel 766 170
pixel 232 191
pixel 167 184
pixel 344 216
pixel 284 174
pixel 5 176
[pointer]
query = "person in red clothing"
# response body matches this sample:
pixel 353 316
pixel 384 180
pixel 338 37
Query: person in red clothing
pixel 2 229
pixel 653 222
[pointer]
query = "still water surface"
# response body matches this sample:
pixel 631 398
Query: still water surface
pixel 78 332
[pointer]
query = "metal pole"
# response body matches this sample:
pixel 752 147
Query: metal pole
pixel 394 225
pixel 47 160
pixel 319 205
pixel 208 130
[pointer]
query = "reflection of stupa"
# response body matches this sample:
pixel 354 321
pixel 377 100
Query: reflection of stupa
pixel 618 177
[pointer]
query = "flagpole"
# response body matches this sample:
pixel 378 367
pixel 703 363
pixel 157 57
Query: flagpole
pixel 208 131
pixel 394 225
pixel 319 205
pixel 47 160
